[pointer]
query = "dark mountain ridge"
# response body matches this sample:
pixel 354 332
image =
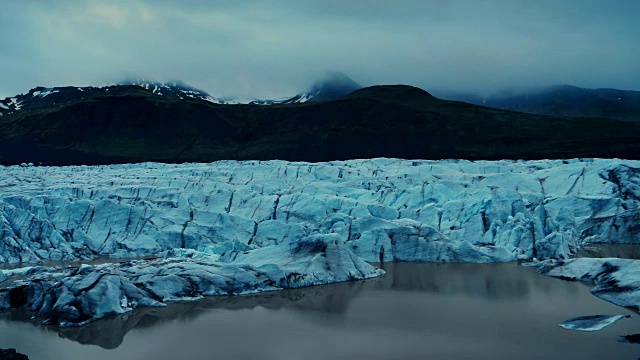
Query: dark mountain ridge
pixel 330 87
pixel 131 124
pixel 562 100
pixel 173 88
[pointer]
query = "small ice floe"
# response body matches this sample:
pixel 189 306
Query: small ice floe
pixel 592 322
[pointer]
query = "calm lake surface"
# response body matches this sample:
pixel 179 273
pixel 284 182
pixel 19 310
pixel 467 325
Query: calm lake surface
pixel 416 311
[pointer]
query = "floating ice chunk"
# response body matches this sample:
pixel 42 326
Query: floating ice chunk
pixel 592 322
pixel 616 280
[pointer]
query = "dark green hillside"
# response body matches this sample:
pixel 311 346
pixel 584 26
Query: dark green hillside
pixel 132 125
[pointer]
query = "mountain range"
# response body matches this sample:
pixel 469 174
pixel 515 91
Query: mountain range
pixel 173 123
pixel 561 100
pixel 332 86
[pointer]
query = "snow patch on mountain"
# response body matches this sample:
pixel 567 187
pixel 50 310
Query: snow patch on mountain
pixel 45 92
pixel 332 86
pixel 15 103
pixel 177 89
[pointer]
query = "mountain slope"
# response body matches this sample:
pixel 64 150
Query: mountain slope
pixel 48 98
pixel 41 97
pixel 331 87
pixel 563 100
pixel 175 89
pixel 131 124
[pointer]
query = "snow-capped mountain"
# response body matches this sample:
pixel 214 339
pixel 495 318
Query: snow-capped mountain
pixel 333 86
pixel 41 97
pixel 57 97
pixel 175 88
pixel 46 97
pixel 15 103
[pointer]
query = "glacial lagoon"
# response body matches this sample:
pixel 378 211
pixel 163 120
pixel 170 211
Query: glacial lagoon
pixel 416 310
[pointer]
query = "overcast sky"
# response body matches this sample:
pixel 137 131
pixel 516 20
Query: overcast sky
pixel 275 48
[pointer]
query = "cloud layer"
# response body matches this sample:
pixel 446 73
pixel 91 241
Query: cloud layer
pixel 276 48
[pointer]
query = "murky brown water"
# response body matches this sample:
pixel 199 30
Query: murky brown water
pixel 416 311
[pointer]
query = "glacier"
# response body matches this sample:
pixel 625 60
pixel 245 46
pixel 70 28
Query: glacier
pixel 230 227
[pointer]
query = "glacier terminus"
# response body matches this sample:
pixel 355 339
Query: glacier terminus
pixel 181 232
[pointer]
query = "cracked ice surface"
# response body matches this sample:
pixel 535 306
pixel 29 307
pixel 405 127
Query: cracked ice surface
pixel 382 208
pixel 230 228
pixel 75 296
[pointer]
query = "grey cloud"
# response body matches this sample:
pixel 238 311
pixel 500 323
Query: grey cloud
pixel 276 48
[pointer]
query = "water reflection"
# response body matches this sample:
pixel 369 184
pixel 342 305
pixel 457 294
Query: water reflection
pixel 323 304
pixel 417 310
pixel 109 332
pixel 490 281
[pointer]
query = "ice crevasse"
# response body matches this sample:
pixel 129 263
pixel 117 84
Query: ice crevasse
pixel 258 226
